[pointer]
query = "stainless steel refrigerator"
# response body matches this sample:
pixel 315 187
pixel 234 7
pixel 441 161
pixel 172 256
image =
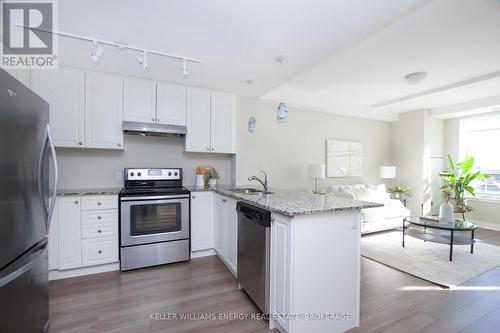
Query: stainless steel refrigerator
pixel 25 146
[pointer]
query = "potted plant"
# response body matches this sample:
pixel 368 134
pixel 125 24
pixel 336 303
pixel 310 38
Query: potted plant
pixel 399 192
pixel 211 176
pixel 457 179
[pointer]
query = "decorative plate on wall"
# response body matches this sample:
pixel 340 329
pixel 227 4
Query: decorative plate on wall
pixel 343 158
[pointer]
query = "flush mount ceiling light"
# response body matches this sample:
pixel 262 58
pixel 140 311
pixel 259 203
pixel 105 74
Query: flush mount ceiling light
pixel 281 59
pixel 415 78
pixel 96 53
pixel 184 72
pixel 143 60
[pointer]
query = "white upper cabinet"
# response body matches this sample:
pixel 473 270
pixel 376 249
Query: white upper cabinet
pixel 222 122
pixel 103 111
pixel 64 90
pixel 198 120
pixel 139 100
pixel 210 121
pixel 171 104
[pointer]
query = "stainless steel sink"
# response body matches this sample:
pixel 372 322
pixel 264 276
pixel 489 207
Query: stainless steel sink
pixel 245 191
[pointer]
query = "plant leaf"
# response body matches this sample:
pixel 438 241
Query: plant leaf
pixel 466 164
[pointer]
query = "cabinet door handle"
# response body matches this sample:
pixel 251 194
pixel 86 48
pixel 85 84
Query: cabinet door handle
pixel 100 251
pixel 213 149
pixel 99 217
pixel 80 143
pixel 119 145
pixel 99 203
pixel 153 119
pixel 158 119
pixel 193 197
pixel 76 202
pixel 99 231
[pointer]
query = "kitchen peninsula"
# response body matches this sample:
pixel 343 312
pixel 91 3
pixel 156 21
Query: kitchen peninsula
pixel 314 254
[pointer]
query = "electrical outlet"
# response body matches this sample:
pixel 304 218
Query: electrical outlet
pixel 222 173
pixel 118 176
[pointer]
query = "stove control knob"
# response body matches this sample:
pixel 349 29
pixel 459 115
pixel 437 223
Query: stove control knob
pixel 170 174
pixel 132 174
pixel 139 174
pixel 175 173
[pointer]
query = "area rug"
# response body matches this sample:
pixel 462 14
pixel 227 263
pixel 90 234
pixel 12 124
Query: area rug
pixel 429 261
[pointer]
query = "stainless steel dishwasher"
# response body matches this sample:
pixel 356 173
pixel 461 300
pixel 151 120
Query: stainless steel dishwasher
pixel 253 253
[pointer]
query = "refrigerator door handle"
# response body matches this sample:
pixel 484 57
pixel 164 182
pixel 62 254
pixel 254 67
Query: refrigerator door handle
pixel 48 141
pixel 24 264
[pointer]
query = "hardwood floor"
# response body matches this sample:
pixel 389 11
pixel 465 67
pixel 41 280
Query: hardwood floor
pixel 391 301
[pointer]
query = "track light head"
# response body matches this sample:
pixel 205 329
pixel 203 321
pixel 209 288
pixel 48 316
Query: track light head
pixel 184 72
pixel 143 60
pixel 96 53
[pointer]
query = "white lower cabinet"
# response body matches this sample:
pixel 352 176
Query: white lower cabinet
pixel 100 250
pixel 232 235
pixel 201 221
pixel 220 225
pixel 214 224
pixel 70 232
pixel 83 232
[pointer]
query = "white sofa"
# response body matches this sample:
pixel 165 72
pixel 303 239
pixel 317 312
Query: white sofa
pixel 388 217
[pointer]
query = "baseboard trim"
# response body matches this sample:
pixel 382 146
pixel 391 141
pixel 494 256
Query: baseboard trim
pixel 57 274
pixel 202 253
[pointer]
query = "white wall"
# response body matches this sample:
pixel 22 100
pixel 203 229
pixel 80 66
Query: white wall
pixel 416 143
pixel 483 210
pixel 84 168
pixel 284 150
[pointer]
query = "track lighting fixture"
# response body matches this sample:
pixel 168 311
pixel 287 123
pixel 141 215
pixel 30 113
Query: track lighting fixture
pixel 184 68
pixel 143 60
pixel 96 53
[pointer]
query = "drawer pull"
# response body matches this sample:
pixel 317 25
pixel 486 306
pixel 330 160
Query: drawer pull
pixel 99 217
pixel 99 231
pixel 100 251
pixel 76 202
pixel 99 203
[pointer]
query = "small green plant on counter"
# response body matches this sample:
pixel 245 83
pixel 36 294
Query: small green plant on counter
pixel 211 173
pixel 399 192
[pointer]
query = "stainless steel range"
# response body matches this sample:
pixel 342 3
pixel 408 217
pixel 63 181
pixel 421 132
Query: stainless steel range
pixel 154 218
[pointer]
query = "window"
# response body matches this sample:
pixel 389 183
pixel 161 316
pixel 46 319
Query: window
pixel 480 137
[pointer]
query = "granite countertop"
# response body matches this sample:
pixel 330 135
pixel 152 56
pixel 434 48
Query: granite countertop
pixel 88 191
pixel 292 203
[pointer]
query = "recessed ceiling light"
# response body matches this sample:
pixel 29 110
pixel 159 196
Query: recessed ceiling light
pixel 250 82
pixel 281 59
pixel 415 78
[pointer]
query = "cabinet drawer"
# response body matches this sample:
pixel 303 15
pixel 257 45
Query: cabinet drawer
pixel 100 202
pixel 100 216
pixel 99 230
pixel 97 251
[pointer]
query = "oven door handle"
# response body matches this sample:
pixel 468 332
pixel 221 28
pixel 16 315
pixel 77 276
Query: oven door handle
pixel 152 197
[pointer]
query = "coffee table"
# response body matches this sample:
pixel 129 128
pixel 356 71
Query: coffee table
pixel 442 232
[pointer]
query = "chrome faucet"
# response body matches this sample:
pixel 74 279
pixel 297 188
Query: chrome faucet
pixel 264 183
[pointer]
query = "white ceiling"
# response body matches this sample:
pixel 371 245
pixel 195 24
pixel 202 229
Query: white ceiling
pixel 456 41
pixel 236 39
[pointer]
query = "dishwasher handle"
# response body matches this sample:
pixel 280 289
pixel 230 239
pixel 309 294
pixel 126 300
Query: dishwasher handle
pixel 254 214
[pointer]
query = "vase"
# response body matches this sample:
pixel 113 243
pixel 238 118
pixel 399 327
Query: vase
pixel 212 182
pixel 200 181
pixel 446 212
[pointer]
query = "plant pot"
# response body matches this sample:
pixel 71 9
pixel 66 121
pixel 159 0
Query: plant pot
pixel 212 182
pixel 446 212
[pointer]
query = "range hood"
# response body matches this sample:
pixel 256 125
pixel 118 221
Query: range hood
pixel 137 128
